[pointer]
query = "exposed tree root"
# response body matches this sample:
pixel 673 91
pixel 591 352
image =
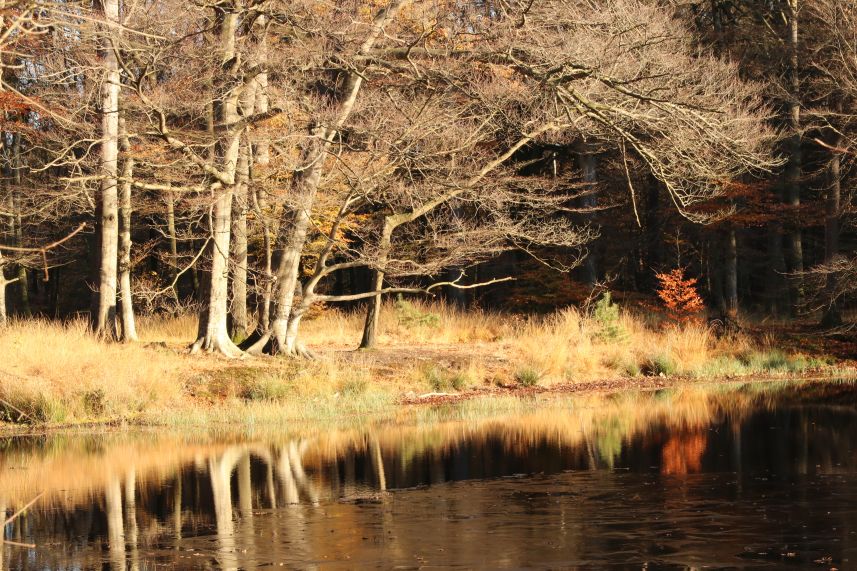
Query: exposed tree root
pixel 218 344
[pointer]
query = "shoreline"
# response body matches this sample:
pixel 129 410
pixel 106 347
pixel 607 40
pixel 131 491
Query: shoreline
pixel 495 398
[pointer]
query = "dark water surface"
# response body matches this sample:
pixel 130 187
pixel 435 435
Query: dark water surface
pixel 730 477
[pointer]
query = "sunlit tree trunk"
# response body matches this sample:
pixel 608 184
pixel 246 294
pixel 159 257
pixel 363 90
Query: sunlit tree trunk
pixel 373 313
pixel 170 200
pixel 129 327
pixel 238 305
pixel 104 321
pixel 294 228
pixel 213 335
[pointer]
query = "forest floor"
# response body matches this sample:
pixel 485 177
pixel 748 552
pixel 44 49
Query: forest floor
pixel 58 375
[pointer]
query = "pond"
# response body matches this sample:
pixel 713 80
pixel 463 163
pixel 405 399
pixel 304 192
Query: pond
pixel 737 476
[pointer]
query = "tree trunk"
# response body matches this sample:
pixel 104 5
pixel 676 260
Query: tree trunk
pixel 261 160
pixel 104 321
pixel 373 313
pixel 170 200
pixel 776 292
pixel 305 186
pixel 213 335
pixel 129 327
pixel 832 316
pixel 288 271
pixel 588 165
pixel 730 276
pixel 3 284
pixel 794 167
pixel 238 307
pixel 15 199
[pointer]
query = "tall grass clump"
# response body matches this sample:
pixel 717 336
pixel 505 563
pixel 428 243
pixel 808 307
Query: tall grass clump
pixel 60 373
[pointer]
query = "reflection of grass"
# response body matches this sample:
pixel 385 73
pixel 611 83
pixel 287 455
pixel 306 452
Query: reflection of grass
pixel 71 467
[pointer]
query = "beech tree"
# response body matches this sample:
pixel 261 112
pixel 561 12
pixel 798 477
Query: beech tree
pixel 240 157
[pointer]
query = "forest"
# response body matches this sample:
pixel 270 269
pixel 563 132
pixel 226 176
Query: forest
pixel 255 166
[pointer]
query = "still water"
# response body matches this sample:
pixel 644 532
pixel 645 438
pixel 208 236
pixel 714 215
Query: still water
pixel 731 477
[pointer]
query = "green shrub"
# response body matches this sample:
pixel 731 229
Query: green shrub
pixel 94 402
pixel 353 387
pixel 528 377
pixel 268 388
pixel 632 368
pixel 606 315
pixel 442 380
pixel 410 316
pixel 662 364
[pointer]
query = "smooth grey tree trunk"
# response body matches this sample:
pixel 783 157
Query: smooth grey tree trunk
pixel 282 336
pixel 170 200
pixel 129 326
pixel 104 321
pixel 213 334
pixel 261 161
pixel 238 305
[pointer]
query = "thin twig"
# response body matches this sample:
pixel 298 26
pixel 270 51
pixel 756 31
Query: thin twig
pixel 44 249
pixel 22 510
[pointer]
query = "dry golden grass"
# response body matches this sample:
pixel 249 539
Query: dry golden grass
pixel 59 373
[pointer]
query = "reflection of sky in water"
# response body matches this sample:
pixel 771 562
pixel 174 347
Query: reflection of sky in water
pixel 736 476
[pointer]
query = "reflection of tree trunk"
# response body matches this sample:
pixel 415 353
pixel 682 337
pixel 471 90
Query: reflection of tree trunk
pixel 296 458
pixel 245 487
pixel 287 479
pixel 131 518
pixel 177 509
pixel 115 528
pixel 349 486
pixel 269 481
pixel 221 474
pixel 378 464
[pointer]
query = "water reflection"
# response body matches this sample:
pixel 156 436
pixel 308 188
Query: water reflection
pixel 739 476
